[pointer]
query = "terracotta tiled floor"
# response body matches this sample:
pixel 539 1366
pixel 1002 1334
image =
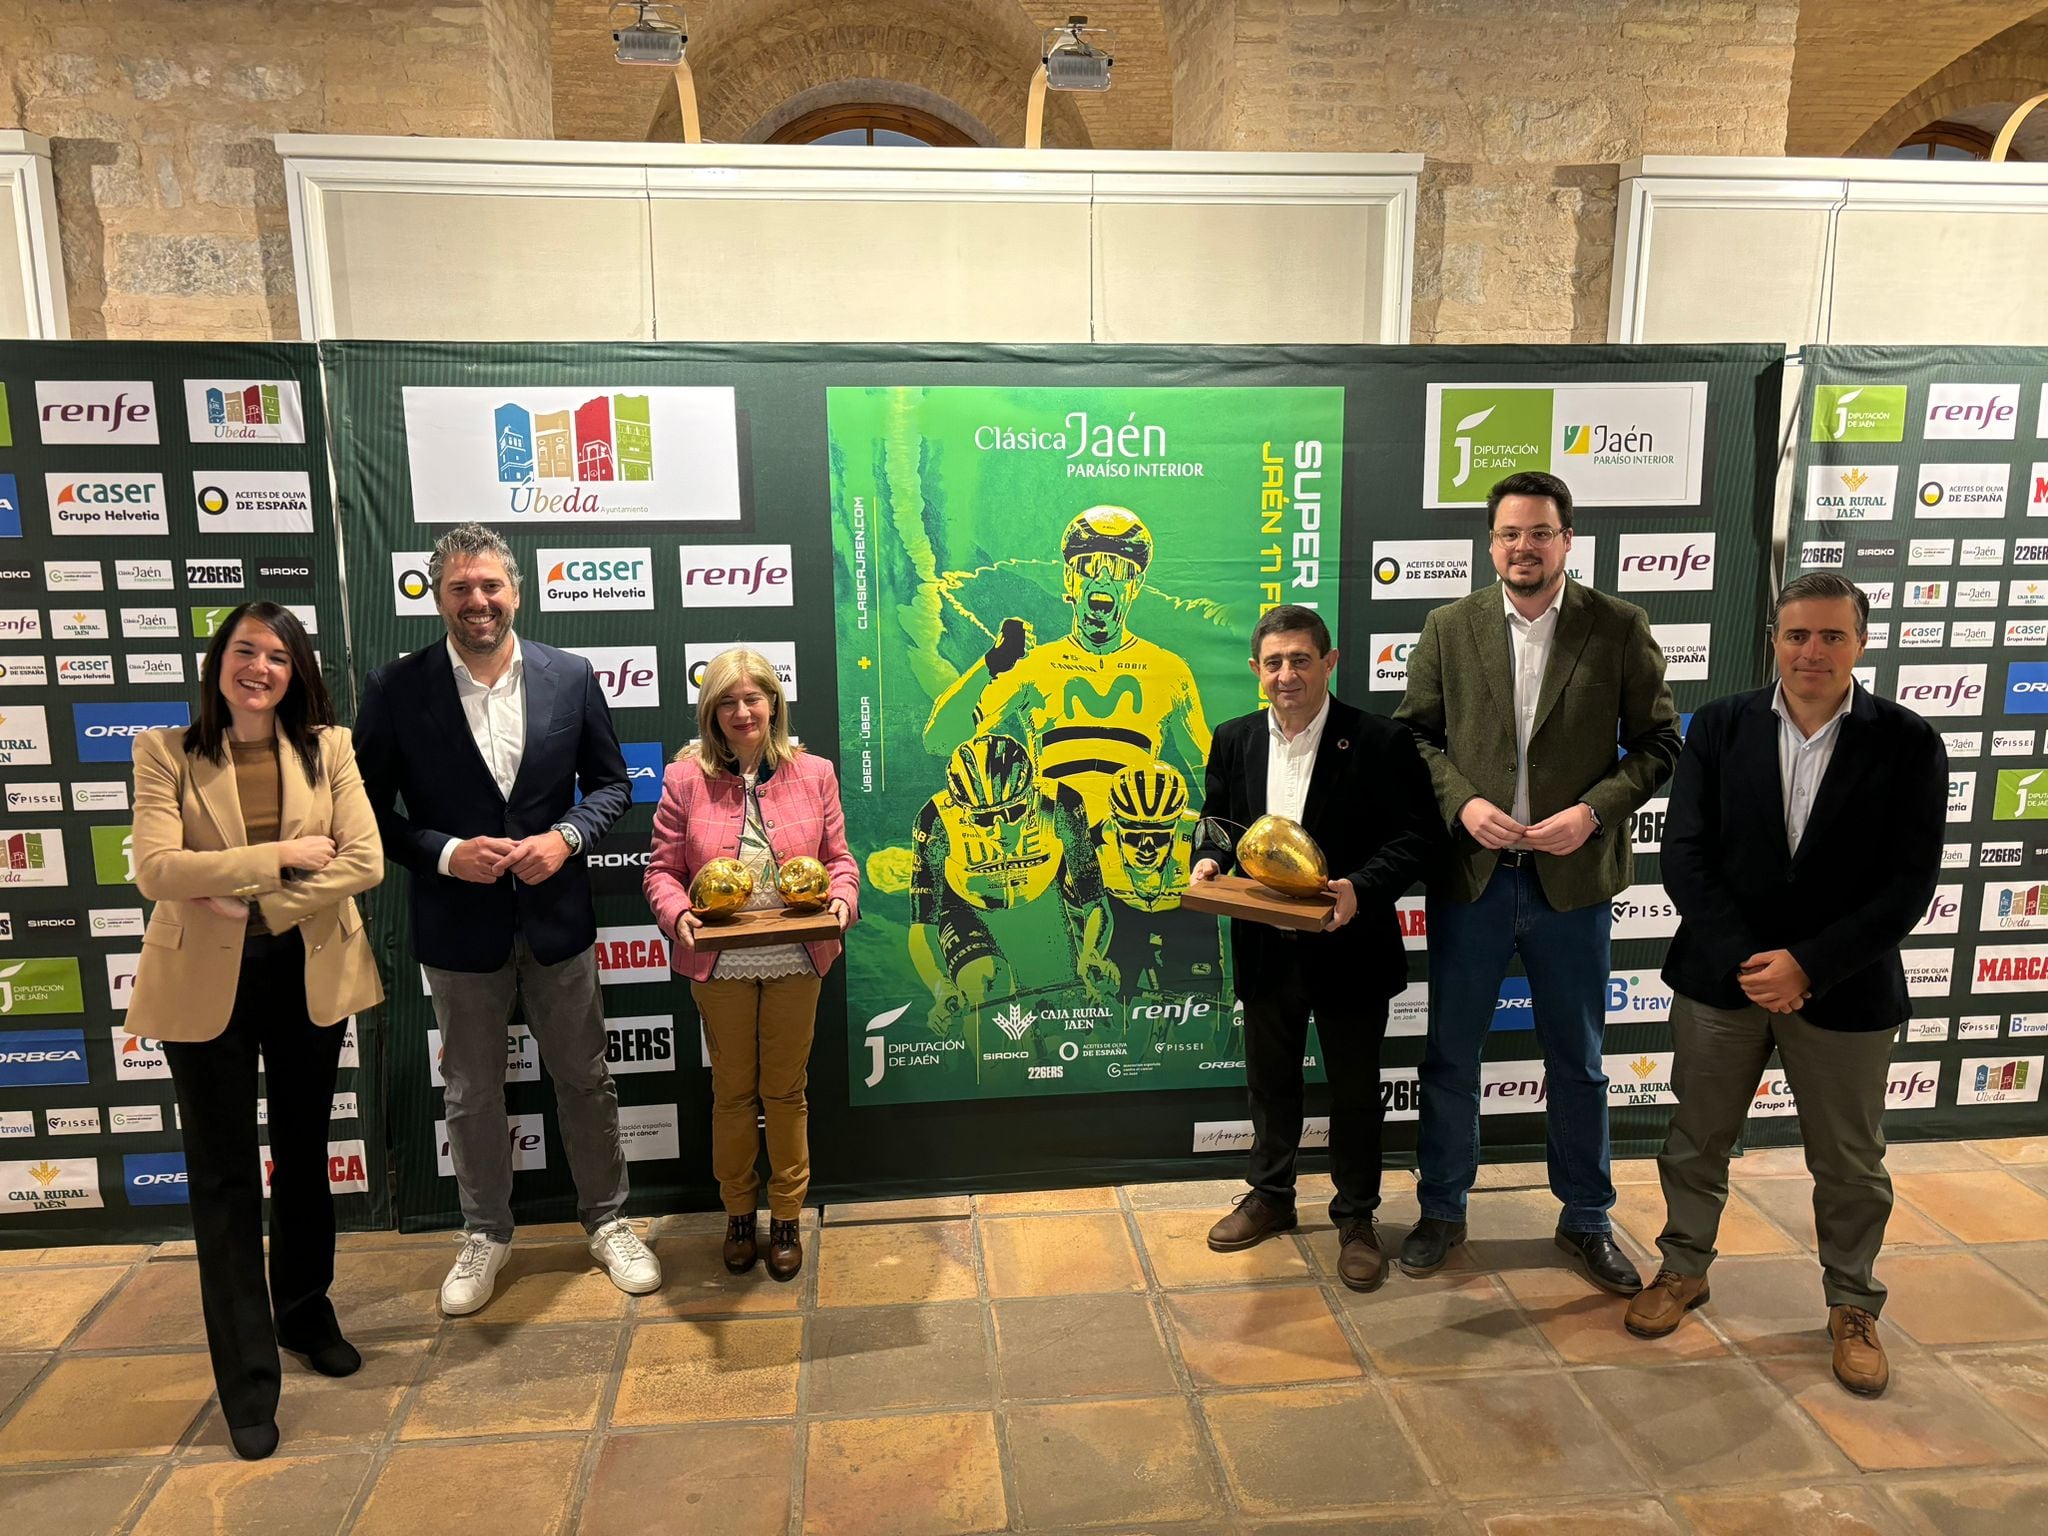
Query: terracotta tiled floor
pixel 1077 1360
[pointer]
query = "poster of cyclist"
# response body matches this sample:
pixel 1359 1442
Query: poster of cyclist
pixel 1044 602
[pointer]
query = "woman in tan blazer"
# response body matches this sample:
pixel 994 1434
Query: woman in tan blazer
pixel 252 836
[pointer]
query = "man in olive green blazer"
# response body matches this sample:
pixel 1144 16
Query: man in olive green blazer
pixel 1518 695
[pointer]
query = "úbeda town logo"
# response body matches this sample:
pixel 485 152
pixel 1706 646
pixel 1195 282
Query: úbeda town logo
pixel 607 437
pixel 244 411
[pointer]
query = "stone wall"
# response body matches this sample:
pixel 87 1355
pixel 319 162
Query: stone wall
pixel 170 197
pixel 2011 67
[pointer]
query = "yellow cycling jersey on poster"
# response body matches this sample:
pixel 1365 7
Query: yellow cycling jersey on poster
pixel 1088 716
pixel 1143 876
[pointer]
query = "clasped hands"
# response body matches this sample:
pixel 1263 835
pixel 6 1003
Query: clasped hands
pixel 1492 827
pixel 1774 981
pixel 486 860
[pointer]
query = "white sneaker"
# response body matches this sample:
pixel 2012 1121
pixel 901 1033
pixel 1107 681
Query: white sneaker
pixel 475 1275
pixel 633 1268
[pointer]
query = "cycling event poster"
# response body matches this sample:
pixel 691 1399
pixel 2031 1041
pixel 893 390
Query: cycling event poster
pixel 1045 600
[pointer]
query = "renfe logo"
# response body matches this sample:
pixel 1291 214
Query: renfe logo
pixel 1980 411
pixel 1942 690
pixel 736 576
pixel 97 410
pixel 1667 562
pixel 629 675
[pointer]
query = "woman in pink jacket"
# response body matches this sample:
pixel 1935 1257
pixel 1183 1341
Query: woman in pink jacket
pixel 743 791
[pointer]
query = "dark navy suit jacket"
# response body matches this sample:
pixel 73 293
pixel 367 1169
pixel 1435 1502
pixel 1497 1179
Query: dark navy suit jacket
pixel 414 745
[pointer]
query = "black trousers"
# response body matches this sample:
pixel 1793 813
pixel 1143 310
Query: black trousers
pixel 1351 1026
pixel 216 1083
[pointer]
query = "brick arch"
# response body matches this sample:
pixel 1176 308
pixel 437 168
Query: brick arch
pixel 1855 66
pixel 2011 67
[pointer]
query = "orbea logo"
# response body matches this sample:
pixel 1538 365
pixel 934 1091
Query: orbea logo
pixel 607 437
pixel 97 410
pixel 1859 413
pixel 2026 688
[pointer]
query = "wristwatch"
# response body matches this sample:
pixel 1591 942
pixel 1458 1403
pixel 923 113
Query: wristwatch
pixel 1598 828
pixel 570 836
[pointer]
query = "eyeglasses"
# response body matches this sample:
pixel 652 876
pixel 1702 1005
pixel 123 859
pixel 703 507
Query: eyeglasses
pixel 1539 538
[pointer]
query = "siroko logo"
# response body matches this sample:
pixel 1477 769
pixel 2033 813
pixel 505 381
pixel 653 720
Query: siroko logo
pixel 106 732
pixel 1390 661
pixel 97 410
pixel 736 575
pixel 98 504
pixel 1667 562
pixel 1859 413
pixel 1425 568
pixel 412 595
pixel 779 654
pixel 1851 493
pixel 1942 690
pixel 1962 490
pixel 595 580
pixel 244 411
pixel 629 675
pixel 2026 688
pixel 1983 412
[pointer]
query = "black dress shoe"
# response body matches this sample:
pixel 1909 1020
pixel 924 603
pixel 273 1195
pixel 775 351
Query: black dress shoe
pixel 1606 1265
pixel 1424 1250
pixel 337 1357
pixel 253 1442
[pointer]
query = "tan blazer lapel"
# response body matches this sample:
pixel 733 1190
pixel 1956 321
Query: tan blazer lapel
pixel 1574 628
pixel 297 794
pixel 215 783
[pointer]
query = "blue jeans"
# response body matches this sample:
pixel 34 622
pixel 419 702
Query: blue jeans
pixel 1566 955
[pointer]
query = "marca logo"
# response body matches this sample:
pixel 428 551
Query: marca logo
pixel 736 576
pixel 595 580
pixel 24 736
pixel 1412 916
pixel 2022 795
pixel 213 573
pixel 106 732
pixel 1999 1080
pixel 98 504
pixel 1646 826
pixel 244 411
pixel 631 954
pixel 1851 493
pixel 1686 648
pixel 645 766
pixel 1619 444
pixel 51 1184
pixel 155 1178
pixel 1944 913
pixel 73 670
pixel 348 1162
pixel 253 501
pixel 1938 691
pixel 2012 907
pixel 630 676
pixel 97 410
pixel 1983 412
pixel 1962 796
pixel 570 455
pixel 23 672
pixel 1963 490
pixel 43 1058
pixel 645 1043
pixel 780 654
pixel 1644 912
pixel 1821 555
pixel 1667 562
pixel 527 1136
pixel 41 987
pixel 2037 490
pixel 1859 413
pixel 2009 968
pixel 1426 568
pixel 412 596
pixel 1390 661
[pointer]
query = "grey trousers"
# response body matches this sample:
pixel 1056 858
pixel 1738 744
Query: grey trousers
pixel 1838 1080
pixel 562 1007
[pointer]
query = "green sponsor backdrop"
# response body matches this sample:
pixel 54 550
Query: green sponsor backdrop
pixel 110 633
pixel 1923 476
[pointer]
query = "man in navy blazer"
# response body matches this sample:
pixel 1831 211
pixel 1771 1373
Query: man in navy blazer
pixel 486 739
pixel 1357 784
pixel 1802 844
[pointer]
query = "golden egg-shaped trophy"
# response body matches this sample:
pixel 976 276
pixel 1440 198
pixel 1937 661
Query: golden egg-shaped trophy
pixel 1280 855
pixel 721 888
pixel 804 883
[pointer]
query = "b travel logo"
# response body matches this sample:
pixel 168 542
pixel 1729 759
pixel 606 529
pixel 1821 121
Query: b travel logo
pixel 106 504
pixel 595 580
pixel 106 732
pixel 573 455
pixel 1851 493
pixel 96 411
pixel 2037 490
pixel 244 411
pixel 1859 413
pixel 1638 445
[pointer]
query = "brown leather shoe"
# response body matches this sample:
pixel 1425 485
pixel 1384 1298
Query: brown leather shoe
pixel 1860 1364
pixel 1660 1306
pixel 740 1247
pixel 785 1250
pixel 1251 1221
pixel 1361 1262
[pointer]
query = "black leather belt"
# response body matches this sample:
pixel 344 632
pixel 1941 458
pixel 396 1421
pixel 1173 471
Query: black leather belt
pixel 1516 858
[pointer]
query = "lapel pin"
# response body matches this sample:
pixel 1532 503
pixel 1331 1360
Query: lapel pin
pixel 1343 745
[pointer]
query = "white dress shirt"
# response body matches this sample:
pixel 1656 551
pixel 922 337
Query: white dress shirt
pixel 1529 641
pixel 497 721
pixel 1803 761
pixel 1291 764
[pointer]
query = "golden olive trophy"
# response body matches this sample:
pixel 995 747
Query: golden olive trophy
pixel 804 883
pixel 721 888
pixel 1280 855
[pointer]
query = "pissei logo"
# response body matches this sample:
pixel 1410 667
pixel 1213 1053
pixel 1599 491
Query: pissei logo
pixel 1859 413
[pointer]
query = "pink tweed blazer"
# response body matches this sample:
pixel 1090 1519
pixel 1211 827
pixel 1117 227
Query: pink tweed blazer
pixel 699 819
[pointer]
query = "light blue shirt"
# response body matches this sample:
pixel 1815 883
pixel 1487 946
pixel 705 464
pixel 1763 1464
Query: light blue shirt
pixel 1803 761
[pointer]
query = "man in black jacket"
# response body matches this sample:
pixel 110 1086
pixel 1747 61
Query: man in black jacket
pixel 1802 845
pixel 1356 782
pixel 486 739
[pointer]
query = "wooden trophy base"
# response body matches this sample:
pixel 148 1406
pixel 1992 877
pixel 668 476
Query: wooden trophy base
pixel 1246 899
pixel 757 930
